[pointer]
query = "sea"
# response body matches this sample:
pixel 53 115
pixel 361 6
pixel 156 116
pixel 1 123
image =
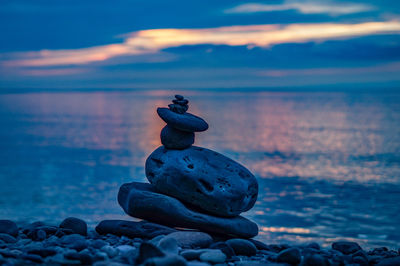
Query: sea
pixel 327 163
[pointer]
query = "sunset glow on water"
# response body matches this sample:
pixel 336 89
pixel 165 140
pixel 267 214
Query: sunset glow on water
pixel 327 163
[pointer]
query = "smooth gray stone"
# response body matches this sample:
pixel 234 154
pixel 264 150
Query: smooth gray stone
pixel 8 227
pixel 191 239
pixel 131 229
pixel 213 256
pixel 242 247
pixel 143 201
pixel 203 178
pixel 185 122
pixel 173 138
pixel 168 260
pixel 78 226
pixel 346 247
pixel 290 256
pixel 148 251
pixel 168 245
pixel 7 238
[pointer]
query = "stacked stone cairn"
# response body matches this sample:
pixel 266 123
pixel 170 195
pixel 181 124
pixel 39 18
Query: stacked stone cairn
pixel 191 187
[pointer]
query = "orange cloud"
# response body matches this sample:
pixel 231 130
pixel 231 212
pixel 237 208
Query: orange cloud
pixel 152 41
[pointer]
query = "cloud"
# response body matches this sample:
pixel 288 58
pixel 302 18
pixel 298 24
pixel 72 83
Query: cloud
pixel 153 41
pixel 305 7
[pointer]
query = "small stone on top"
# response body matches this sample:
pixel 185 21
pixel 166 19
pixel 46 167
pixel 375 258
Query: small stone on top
pixel 179 97
pixel 180 105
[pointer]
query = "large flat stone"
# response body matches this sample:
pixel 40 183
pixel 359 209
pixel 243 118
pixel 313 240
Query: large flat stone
pixel 185 122
pixel 132 229
pixel 203 178
pixel 143 201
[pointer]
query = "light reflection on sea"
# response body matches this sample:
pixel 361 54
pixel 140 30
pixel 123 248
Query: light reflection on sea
pixel 328 164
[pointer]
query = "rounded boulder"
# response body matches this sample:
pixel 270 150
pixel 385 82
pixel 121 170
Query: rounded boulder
pixel 203 178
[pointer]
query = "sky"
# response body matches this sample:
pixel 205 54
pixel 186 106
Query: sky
pixel 97 44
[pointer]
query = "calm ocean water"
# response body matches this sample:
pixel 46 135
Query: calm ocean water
pixel 328 164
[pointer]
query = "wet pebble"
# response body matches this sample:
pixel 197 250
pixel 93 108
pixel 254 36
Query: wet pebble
pixel 213 256
pixel 76 225
pixel 8 227
pixel 290 256
pixel 242 247
pixel 346 247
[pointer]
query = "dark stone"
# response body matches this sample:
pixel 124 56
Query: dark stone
pixel 315 260
pixel 147 251
pixel 7 238
pixel 359 260
pixel 314 246
pixel 173 138
pixel 389 261
pixel 346 247
pixel 98 243
pixel 78 226
pixel 242 247
pixel 259 245
pixel 143 201
pixel 8 227
pixel 43 252
pixel 40 235
pixel 177 108
pixel 130 229
pixel 32 257
pixel 203 178
pixel 169 260
pixel 185 122
pixel 179 97
pixel 191 239
pixel 71 255
pixel 225 248
pixel 290 256
pixel 75 241
pixel 181 102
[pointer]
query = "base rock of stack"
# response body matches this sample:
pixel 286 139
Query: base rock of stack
pixel 173 138
pixel 141 200
pixel 203 178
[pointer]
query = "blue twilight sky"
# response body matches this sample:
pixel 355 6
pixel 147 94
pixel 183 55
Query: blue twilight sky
pixel 85 44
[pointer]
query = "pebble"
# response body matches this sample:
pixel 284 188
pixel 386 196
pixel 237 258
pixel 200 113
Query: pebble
pixel 111 252
pixel 8 227
pixel 169 260
pixel 32 257
pixel 168 245
pixel 40 235
pixel 7 238
pixel 225 248
pixel 389 261
pixel 78 226
pixel 242 247
pixel 125 248
pixel 192 254
pixel 147 251
pixel 213 256
pixel 315 260
pixel 191 239
pixel 346 247
pixel 290 255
